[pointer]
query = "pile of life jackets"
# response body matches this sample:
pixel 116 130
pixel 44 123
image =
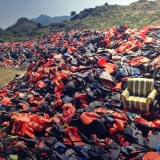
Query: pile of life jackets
pixel 67 105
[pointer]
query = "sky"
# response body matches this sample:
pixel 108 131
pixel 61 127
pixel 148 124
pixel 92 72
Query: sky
pixel 12 10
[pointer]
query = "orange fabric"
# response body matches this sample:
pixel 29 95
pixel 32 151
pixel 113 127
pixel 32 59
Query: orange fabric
pixel 82 67
pixel 108 68
pixel 156 123
pixel 73 68
pixel 88 117
pixel 73 136
pixel 44 121
pixel 24 106
pixel 156 62
pixel 41 84
pixel 123 46
pixel 119 115
pixel 149 40
pixel 82 95
pixel 57 103
pixel 22 119
pixel 46 70
pixel 68 109
pixel 118 87
pixel 125 79
pixel 83 101
pixel 138 119
pixel 6 123
pixel 102 61
pixel 119 124
pixel 63 66
pixel 6 100
pixel 135 45
pixel 57 118
pixel 146 38
pixel 35 126
pixel 113 131
pixel 46 116
pixel 29 132
pixel 151 156
pixel 37 102
pixel 67 141
pixel 34 118
pixel 25 123
pixel 106 41
pixel 71 49
pixel 138 60
pixel 58 88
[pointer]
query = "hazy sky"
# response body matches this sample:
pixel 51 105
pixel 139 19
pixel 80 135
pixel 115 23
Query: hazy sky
pixel 12 10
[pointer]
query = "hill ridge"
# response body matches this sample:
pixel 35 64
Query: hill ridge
pixel 47 20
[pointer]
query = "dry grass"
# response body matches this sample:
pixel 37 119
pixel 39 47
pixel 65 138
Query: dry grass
pixel 8 74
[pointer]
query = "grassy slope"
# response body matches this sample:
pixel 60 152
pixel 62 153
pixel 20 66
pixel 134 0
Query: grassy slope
pixel 8 74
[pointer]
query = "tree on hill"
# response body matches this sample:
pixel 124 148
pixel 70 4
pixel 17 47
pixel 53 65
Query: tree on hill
pixel 1 30
pixel 73 13
pixel 39 25
pixel 14 32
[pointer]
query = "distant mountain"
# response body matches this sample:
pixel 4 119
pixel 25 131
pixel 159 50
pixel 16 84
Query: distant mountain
pixel 22 25
pixel 20 29
pixel 46 20
pixel 1 30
